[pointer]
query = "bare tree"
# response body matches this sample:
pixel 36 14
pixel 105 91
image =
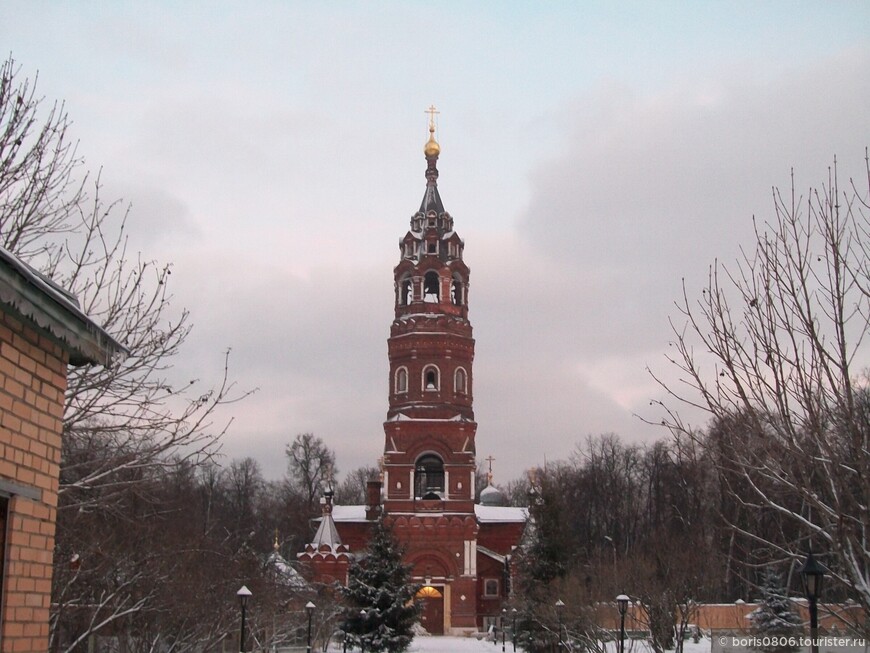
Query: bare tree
pixel 309 463
pixel 137 576
pixel 126 422
pixel 128 409
pixel 40 193
pixel 352 490
pixel 246 484
pixel 775 346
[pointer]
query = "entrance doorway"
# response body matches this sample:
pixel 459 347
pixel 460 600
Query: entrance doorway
pixel 432 615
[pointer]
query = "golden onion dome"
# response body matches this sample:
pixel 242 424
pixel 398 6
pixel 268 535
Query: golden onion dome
pixel 431 148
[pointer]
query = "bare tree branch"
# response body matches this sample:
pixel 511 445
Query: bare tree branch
pixel 774 352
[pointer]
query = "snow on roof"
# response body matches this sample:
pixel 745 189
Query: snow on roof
pixel 485 514
pixel 326 534
pixel 492 496
pixel 54 309
pixel 286 572
pixel 500 514
pixel 432 312
pixel 349 513
pixel 401 417
pixel 492 554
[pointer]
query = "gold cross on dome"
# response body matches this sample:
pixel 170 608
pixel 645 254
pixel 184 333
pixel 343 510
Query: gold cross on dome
pixel 432 111
pixel 490 460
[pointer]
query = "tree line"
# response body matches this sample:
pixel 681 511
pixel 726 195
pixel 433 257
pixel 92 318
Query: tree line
pixel 155 564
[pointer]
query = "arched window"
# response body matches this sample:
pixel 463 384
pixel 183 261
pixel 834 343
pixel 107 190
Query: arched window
pixel 401 380
pixel 431 378
pixel 460 381
pixel 406 291
pixel 428 592
pixel 431 287
pixel 429 477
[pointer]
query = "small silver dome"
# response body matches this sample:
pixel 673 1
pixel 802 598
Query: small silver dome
pixel 492 496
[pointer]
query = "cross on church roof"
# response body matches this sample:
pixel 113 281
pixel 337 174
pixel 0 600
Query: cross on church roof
pixel 490 460
pixel 432 111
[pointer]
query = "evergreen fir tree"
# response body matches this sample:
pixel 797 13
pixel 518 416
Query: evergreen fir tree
pixel 546 550
pixel 775 617
pixel 542 562
pixel 382 612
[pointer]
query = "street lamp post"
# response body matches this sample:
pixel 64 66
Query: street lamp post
pixel 362 642
pixel 503 615
pixel 244 594
pixel 514 628
pixel 560 605
pixel 622 603
pixel 309 608
pixel 812 575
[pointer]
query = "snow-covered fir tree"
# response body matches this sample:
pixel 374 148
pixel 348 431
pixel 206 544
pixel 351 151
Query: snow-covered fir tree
pixel 775 617
pixel 381 610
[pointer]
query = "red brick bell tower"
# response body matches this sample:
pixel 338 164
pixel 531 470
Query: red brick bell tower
pixel 459 551
pixel 429 449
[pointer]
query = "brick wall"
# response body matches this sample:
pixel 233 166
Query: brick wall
pixel 32 386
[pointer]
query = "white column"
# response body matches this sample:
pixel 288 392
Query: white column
pixel 470 561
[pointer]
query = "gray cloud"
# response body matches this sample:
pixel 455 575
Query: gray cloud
pixel 169 218
pixel 569 306
pixel 274 169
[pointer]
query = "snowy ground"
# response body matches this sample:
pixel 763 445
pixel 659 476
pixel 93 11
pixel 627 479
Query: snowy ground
pixel 472 645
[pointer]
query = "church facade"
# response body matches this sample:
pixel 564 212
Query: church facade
pixel 459 550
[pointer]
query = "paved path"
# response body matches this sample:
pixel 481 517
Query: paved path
pixel 459 644
pixel 453 645
pixel 472 645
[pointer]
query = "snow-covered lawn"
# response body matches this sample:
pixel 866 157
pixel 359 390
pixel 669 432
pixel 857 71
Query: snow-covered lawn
pixel 448 644
pixel 472 645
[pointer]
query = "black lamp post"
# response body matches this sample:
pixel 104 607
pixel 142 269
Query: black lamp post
pixel 622 603
pixel 503 615
pixel 244 594
pixel 309 608
pixel 514 628
pixel 560 605
pixel 812 576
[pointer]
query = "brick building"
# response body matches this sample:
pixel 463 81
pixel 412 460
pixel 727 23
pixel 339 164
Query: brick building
pixel 459 551
pixel 42 331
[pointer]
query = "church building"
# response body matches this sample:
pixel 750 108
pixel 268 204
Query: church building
pixel 459 551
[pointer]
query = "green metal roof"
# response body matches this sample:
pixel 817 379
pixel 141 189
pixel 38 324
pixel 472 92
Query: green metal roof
pixel 55 312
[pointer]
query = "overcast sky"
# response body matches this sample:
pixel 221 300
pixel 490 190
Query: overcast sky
pixel 593 156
